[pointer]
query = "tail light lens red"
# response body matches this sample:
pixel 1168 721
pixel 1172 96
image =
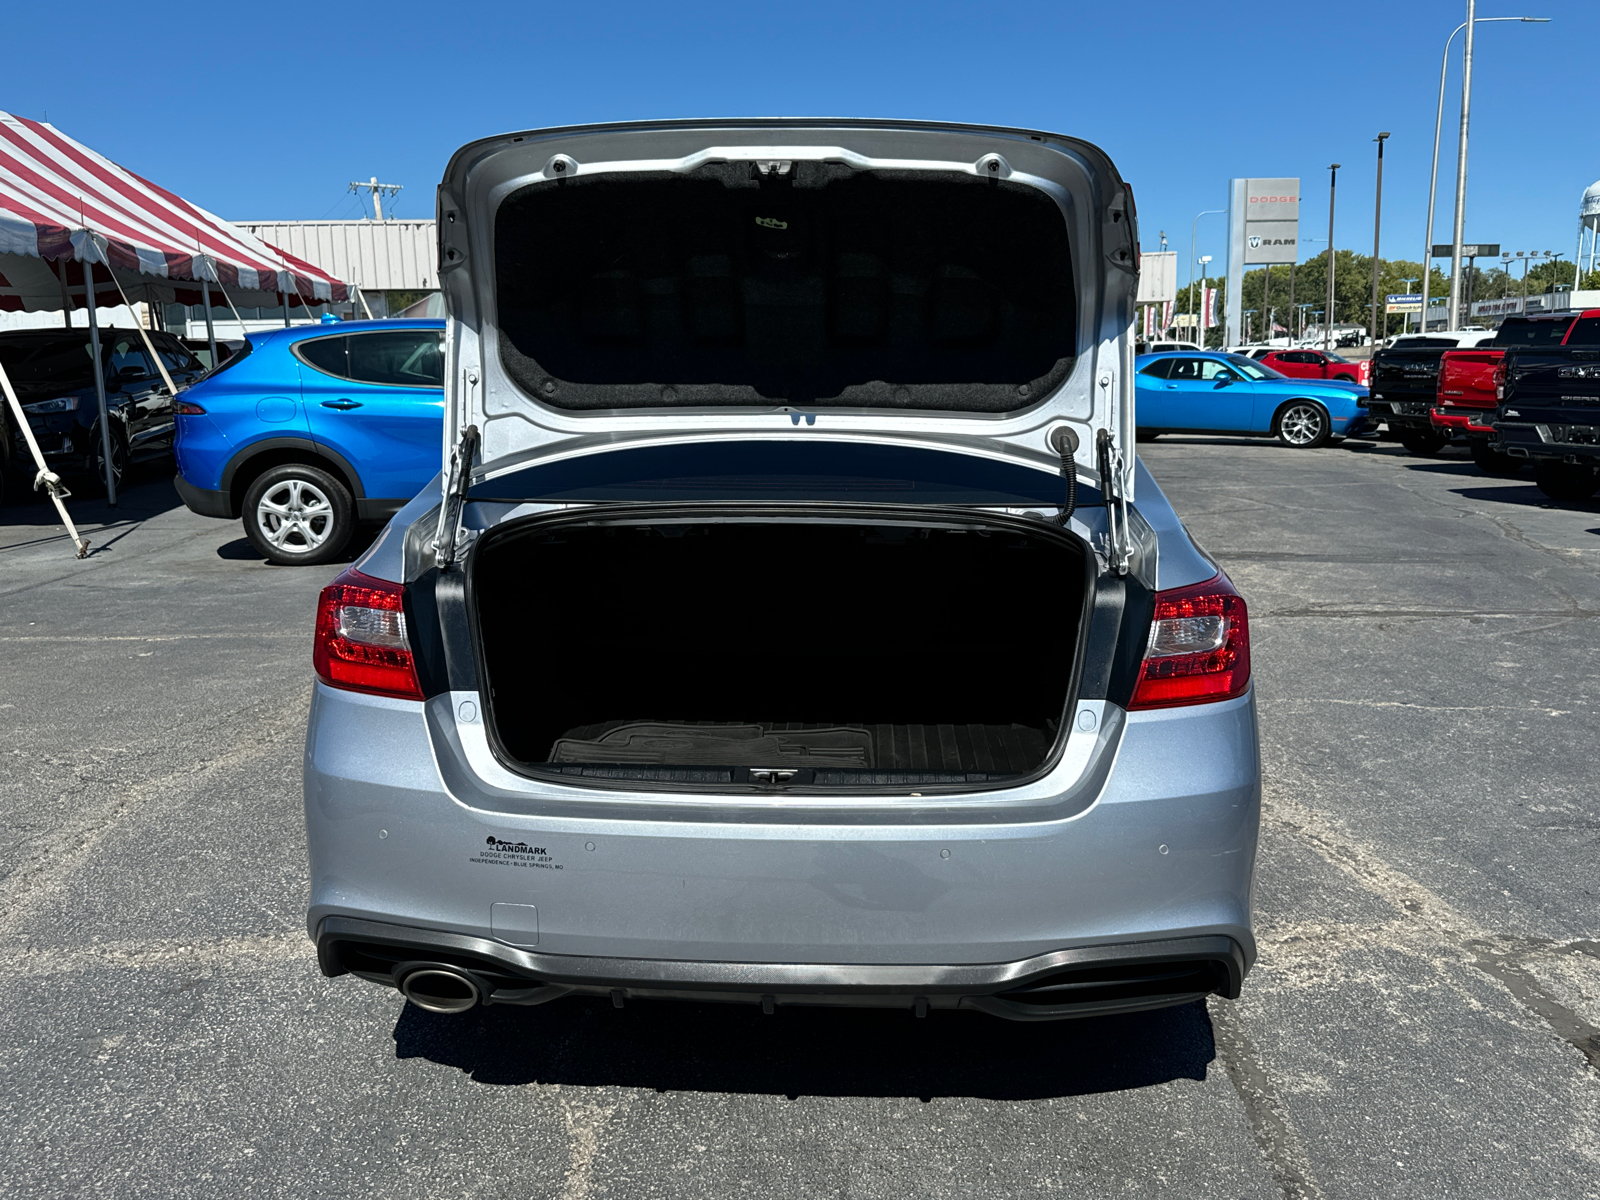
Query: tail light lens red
pixel 361 642
pixel 1500 382
pixel 187 408
pixel 1199 647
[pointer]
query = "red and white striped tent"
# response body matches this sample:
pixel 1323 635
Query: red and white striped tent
pixel 62 205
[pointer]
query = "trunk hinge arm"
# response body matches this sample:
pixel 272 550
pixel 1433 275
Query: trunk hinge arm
pixel 456 484
pixel 1118 550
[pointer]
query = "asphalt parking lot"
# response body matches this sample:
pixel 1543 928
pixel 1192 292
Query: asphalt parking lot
pixel 1424 1020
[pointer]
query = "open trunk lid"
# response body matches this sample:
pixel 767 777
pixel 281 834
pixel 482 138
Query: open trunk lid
pixel 957 288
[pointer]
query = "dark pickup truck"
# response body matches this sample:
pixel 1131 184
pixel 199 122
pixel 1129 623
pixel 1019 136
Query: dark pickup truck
pixel 1549 410
pixel 1405 378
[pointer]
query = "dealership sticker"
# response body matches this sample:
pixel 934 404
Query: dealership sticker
pixel 497 852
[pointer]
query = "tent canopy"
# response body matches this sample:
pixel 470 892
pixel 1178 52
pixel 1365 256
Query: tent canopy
pixel 62 205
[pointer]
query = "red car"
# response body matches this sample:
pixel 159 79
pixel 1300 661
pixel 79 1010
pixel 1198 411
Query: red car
pixel 1317 364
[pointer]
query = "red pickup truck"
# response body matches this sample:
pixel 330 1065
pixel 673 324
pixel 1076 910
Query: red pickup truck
pixel 1317 364
pixel 1465 401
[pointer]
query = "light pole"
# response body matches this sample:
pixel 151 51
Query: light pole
pixel 1377 225
pixel 1333 184
pixel 1452 314
pixel 1248 313
pixel 1193 227
pixel 1438 127
pixel 1199 335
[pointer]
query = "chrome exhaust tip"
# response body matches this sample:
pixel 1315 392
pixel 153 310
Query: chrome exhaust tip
pixel 438 988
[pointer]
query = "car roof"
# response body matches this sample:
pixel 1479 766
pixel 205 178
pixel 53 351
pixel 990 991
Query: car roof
pixel 295 333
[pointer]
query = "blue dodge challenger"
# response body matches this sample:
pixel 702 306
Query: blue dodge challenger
pixel 1193 392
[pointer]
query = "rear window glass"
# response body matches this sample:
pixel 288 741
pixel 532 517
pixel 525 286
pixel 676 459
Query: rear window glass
pixel 402 358
pixel 785 471
pixel 35 361
pixel 327 355
pixel 1523 331
pixel 822 285
pixel 1158 369
pixel 1587 333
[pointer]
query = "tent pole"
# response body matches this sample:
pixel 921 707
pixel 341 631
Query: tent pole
pixel 211 332
pixel 100 384
pixel 285 297
pixel 48 478
pixel 66 297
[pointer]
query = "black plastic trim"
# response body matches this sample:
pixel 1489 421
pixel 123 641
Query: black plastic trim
pixel 293 443
pixel 975 984
pixel 204 501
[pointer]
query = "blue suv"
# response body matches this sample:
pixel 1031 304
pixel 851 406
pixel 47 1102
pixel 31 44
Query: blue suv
pixel 307 431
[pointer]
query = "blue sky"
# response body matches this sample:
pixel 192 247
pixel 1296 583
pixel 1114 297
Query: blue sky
pixel 268 112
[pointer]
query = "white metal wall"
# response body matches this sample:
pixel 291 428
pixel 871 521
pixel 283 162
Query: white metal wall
pixel 377 256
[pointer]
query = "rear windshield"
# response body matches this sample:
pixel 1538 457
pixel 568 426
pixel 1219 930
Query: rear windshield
pixel 1427 343
pixel 820 285
pixel 42 361
pixel 1525 331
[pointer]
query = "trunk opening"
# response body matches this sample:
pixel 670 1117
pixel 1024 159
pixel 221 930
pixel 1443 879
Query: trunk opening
pixel 761 651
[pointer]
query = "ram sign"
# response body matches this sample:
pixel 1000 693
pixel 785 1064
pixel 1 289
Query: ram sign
pixel 1263 230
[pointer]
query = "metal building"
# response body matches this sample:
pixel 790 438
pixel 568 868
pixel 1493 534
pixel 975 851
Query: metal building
pixel 379 257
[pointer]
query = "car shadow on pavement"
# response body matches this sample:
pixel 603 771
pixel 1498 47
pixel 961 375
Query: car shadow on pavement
pixel 685 1047
pixel 242 549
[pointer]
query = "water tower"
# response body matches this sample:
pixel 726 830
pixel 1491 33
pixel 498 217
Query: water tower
pixel 1588 219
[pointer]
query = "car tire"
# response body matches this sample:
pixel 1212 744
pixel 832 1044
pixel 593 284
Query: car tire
pixel 119 459
pixel 1494 462
pixel 1302 425
pixel 1345 378
pixel 298 515
pixel 1565 481
pixel 1424 445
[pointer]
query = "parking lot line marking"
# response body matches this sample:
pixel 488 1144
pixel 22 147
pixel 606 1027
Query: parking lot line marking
pixel 1428 926
pixel 585 1121
pixel 214 954
pixel 1274 1130
pixel 55 857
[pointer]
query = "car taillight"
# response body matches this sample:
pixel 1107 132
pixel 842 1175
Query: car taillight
pixel 1199 647
pixel 1500 382
pixel 361 641
pixel 184 408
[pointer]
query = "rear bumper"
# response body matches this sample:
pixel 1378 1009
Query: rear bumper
pixel 1079 982
pixel 1405 413
pixel 1154 844
pixel 1561 441
pixel 1474 422
pixel 204 501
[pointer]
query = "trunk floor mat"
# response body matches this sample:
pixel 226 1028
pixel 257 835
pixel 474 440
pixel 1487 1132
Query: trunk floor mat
pixel 1000 748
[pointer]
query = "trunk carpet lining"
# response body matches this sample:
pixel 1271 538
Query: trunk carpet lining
pixel 998 748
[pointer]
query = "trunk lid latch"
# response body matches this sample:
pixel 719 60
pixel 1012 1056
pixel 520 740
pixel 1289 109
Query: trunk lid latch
pixel 772 776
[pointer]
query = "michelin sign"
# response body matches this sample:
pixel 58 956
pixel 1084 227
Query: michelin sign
pixel 1263 230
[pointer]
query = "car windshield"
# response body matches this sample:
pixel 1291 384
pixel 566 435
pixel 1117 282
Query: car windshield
pixel 1251 369
pixel 37 361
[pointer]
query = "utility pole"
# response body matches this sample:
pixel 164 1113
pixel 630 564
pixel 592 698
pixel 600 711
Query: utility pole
pixel 1333 184
pixel 377 189
pixel 1377 226
pixel 1452 317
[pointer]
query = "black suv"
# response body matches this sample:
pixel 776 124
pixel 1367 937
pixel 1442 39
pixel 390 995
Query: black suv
pixel 53 373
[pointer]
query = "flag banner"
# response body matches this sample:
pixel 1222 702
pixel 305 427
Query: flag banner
pixel 1166 315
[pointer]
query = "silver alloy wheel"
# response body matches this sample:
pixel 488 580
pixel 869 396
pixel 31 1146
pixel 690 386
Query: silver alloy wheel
pixel 295 516
pixel 1301 424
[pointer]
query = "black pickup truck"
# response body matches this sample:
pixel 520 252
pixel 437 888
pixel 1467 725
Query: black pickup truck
pixel 1405 378
pixel 1549 410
